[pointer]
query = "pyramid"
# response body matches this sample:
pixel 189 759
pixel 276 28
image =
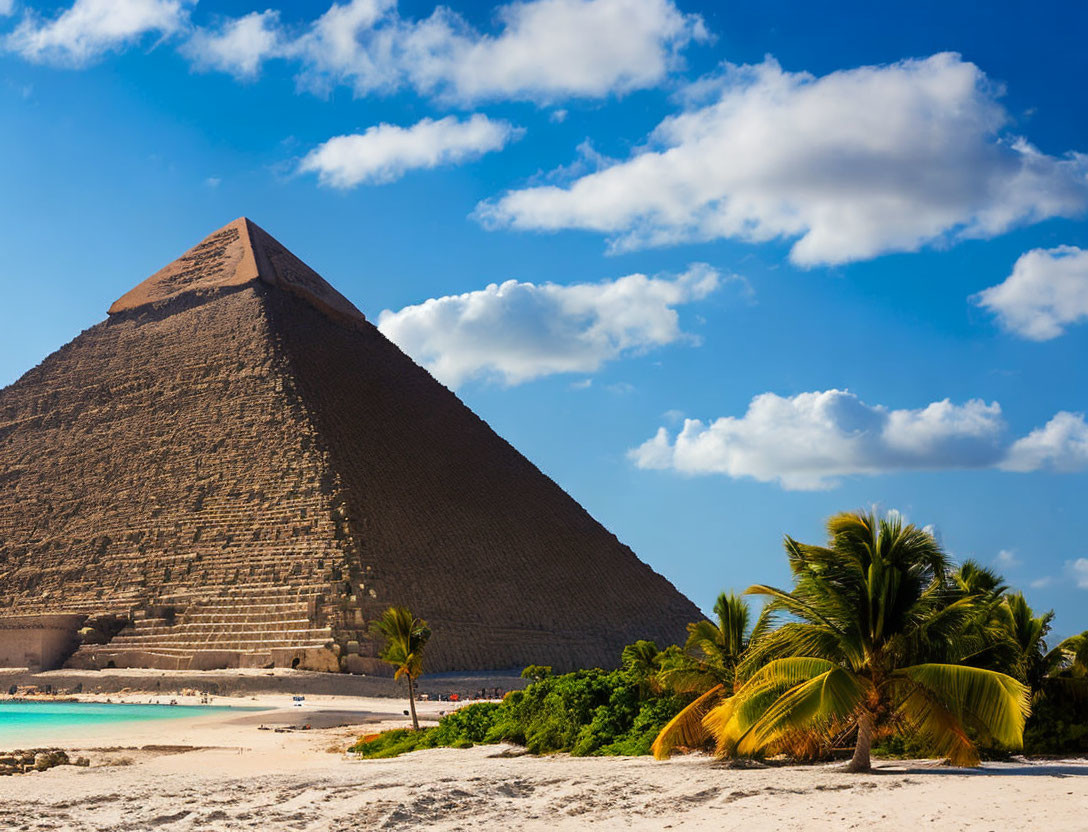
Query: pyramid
pixel 237 469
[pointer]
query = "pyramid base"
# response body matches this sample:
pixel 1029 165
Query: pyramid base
pixel 296 658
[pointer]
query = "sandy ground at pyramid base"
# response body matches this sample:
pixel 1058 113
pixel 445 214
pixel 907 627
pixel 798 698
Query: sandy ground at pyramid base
pixel 225 773
pixel 248 682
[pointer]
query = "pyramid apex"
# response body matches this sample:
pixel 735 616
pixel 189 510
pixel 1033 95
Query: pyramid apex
pixel 234 256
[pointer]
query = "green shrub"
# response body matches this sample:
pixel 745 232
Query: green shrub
pixel 550 715
pixel 394 743
pixel 652 716
pixel 470 723
pixel 537 672
pixel 587 712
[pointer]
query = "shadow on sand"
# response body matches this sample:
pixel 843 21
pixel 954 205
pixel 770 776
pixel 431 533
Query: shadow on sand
pixel 1057 768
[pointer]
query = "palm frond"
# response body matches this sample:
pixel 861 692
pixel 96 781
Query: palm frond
pixel 785 672
pixel 993 703
pixel 925 716
pixel 405 637
pixel 720 723
pixel 733 613
pixel 763 625
pixel 800 639
pixel 790 602
pixel 813 705
pixel 686 729
pixel 689 677
pixel 705 641
pixel 972 578
pixel 729 721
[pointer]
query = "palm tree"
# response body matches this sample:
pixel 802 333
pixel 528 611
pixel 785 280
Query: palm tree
pixel 972 578
pixel 1071 657
pixel 1027 635
pixel 708 667
pixel 1022 650
pixel 641 660
pixel 1000 628
pixel 873 644
pixel 1061 673
pixel 1066 669
pixel 405 637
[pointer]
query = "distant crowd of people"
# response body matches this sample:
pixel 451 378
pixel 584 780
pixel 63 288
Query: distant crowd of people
pixel 481 693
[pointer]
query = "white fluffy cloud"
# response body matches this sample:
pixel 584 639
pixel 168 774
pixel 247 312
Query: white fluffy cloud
pixel 385 152
pixel 1079 570
pixel 238 46
pixel 1060 445
pixel 545 49
pixel 334 50
pixel 520 331
pixel 542 50
pixel 1046 292
pixel 850 165
pixel 89 28
pixel 7 7
pixel 811 440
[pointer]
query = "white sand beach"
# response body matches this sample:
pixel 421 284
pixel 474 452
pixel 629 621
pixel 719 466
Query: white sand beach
pixel 222 772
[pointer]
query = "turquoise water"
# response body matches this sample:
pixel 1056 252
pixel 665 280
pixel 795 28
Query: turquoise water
pixel 22 718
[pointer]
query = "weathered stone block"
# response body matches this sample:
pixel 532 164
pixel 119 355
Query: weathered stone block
pixel 363 664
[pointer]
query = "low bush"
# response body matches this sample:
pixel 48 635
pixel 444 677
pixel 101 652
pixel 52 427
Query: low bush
pixel 586 713
pixel 461 729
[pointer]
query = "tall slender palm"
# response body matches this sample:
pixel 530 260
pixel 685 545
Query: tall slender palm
pixel 405 637
pixel 873 644
pixel 707 667
pixel 1061 672
pixel 1027 635
pixel 1001 635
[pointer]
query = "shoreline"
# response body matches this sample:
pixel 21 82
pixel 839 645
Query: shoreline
pixel 238 768
pixel 239 720
pixel 223 772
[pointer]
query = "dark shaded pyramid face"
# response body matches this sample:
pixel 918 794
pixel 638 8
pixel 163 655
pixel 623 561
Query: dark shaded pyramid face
pixel 237 469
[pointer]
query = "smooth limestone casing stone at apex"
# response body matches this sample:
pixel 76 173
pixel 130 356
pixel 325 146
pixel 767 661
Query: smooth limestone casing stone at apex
pixel 242 465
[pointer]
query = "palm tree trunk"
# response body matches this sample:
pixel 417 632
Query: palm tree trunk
pixel 412 703
pixel 861 761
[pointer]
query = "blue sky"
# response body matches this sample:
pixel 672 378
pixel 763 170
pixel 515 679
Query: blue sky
pixel 720 270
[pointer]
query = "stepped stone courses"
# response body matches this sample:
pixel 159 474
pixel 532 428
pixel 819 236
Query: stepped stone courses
pixel 237 469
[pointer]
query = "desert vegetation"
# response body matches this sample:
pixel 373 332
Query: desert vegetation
pixel 881 645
